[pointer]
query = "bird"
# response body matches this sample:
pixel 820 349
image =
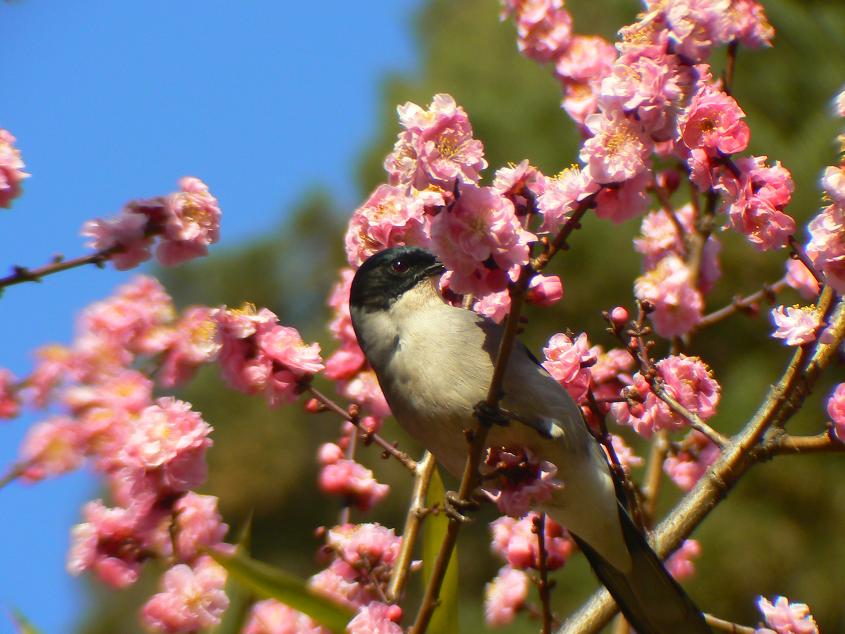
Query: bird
pixel 434 363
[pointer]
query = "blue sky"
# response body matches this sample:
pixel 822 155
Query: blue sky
pixel 116 100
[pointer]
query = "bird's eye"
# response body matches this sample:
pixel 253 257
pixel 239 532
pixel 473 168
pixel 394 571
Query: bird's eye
pixel 399 266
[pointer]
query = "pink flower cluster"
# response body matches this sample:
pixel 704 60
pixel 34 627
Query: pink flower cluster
pixel 271 617
pixel 690 461
pixel 260 356
pixel 517 481
pixel 676 301
pixel 784 617
pixel 11 169
pixel 680 564
pixel 796 325
pixel 9 401
pixel 688 380
pixel 348 479
pixel 505 595
pixel 826 247
pixel 568 361
pixel 515 542
pixel 185 222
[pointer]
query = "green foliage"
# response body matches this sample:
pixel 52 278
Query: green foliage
pixel 445 617
pixel 240 597
pixel 273 583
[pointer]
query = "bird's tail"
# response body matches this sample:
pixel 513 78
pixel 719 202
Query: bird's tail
pixel 648 596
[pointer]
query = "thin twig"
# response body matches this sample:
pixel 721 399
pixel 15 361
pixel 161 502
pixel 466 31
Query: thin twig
pixel 654 473
pixel 726 626
pixel 730 66
pixel 413 521
pixel 346 509
pixel 785 444
pixel 544 588
pixel 23 274
pixel 798 252
pixel 353 418
pixel 694 420
pixel 767 293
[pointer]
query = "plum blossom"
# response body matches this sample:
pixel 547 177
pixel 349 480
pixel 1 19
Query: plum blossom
pixel 544 290
pixel 826 247
pixel 680 564
pixel 368 544
pixel 625 454
pixel 376 618
pixel 799 277
pixel 271 617
pixel 515 541
pixel 686 379
pixel 51 448
pixel 258 355
pixel 192 598
pixel 11 169
pixel 543 36
pixel 387 219
pixel 833 183
pixel 617 150
pixel 568 361
pixel 695 26
pixel 787 618
pixel 9 401
pixel 796 325
pixel 518 480
pixel 481 240
pixel 589 58
pixel 713 122
pixel 686 466
pixel 350 479
pixel 505 596
pixel 623 201
pixel 747 24
pixel 561 196
pixel 494 306
pixel 198 525
pixel 836 410
pixel 192 342
pixel 167 445
pixel 436 146
pixel 678 305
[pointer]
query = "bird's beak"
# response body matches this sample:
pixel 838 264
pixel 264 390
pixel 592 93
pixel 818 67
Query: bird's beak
pixel 435 269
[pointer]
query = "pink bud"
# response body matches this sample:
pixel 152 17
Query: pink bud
pixel 619 316
pixel 313 406
pixel 545 290
pixel 668 180
pixel 329 453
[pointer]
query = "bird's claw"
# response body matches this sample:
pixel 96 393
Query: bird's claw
pixel 490 415
pixel 455 507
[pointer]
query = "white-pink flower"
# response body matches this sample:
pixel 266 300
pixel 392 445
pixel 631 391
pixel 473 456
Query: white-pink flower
pixel 836 410
pixel 51 448
pixel 11 169
pixel 561 196
pixel 678 305
pixel 713 122
pixel 518 480
pixel 191 223
pixel 680 565
pixel 504 596
pixel 568 361
pixel 787 618
pixel 826 247
pixel 515 541
pixel 192 598
pixel 271 617
pixel 376 618
pixel 617 150
pixel 796 325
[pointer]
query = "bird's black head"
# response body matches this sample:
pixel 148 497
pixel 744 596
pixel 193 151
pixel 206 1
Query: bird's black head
pixel 385 276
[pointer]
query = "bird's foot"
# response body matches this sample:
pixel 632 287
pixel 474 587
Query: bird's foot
pixel 490 415
pixel 456 507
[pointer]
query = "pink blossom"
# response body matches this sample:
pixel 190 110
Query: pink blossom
pixel 518 480
pixel 11 169
pixel 9 402
pixel 495 306
pixel 580 100
pixel 786 617
pixel 126 232
pixel 291 362
pixel 345 584
pixel 747 24
pixel 568 361
pixel 617 150
pixel 480 227
pixel 833 183
pixel 125 389
pixel 713 122
pixel 367 545
pixel 623 201
pixel 271 617
pixel 626 456
pixel 521 184
pixel 545 39
pixel 52 364
pixel 436 147
pixel 167 444
pixel 799 277
pixel 660 236
pixel 678 305
pixel 561 196
pixel 544 290
pixel 376 618
pixel 836 410
pixel 611 364
pixel 387 219
pixel 686 379
pixel 352 481
pixel 364 389
pixel 51 448
pixel 686 466
pixel 796 325
pixel 198 525
pixel 516 542
pixel 839 104
pixel 191 223
pixel 826 247
pixel 109 543
pixel 192 598
pixel 680 564
pixel 505 596
pixel 192 343
pixel 588 58
pixel 696 25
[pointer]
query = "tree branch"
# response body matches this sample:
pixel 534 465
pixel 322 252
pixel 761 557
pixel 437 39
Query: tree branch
pixel 23 274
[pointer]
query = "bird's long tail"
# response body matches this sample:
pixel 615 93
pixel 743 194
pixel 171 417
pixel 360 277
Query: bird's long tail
pixel 648 596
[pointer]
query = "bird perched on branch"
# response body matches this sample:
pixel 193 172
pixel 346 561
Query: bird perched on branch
pixel 435 362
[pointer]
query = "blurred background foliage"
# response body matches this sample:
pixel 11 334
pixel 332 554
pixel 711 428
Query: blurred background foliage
pixel 779 532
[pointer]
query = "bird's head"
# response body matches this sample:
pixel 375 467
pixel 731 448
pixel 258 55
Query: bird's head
pixel 386 276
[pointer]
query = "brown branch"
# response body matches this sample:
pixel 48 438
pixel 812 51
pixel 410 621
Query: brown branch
pixel 23 274
pixel 544 588
pixel 726 626
pixel 730 66
pixel 767 293
pixel 784 444
pixel 413 521
pixel 780 403
pixel 654 472
pixel 559 242
pixel 346 509
pixel 798 252
pixel 352 417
